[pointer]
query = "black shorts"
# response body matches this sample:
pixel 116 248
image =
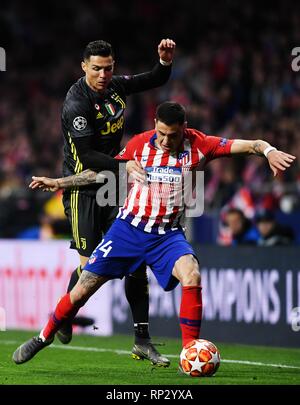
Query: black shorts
pixel 88 220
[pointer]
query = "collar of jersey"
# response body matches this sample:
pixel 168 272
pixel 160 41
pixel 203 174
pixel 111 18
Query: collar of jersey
pixel 152 140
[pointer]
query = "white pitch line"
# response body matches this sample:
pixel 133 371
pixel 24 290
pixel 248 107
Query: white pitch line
pixel 116 351
pixel 256 363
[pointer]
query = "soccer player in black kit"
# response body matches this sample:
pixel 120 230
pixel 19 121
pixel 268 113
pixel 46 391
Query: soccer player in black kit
pixel 93 125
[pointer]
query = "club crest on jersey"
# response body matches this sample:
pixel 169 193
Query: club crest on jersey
pixel 92 259
pixel 184 157
pixel 110 108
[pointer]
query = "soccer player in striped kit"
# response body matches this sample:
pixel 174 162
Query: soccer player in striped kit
pixel 93 122
pixel 149 226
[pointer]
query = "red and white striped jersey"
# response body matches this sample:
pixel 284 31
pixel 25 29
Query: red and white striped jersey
pixel 158 205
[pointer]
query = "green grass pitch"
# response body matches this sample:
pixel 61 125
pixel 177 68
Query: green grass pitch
pixel 107 361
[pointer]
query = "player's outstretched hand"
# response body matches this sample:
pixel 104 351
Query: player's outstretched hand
pixel 45 183
pixel 166 49
pixel 135 171
pixel 279 160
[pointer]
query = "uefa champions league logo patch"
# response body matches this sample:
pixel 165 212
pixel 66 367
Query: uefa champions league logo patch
pixel 79 123
pixel 223 142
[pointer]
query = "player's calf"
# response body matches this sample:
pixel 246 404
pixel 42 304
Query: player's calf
pixel 186 269
pixel 65 333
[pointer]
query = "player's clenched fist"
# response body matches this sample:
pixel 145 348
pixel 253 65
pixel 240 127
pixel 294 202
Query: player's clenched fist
pixel 166 50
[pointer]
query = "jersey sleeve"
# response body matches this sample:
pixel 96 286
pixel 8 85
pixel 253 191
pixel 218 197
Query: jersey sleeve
pixel 77 117
pixel 215 147
pixel 128 153
pixel 91 158
pixel 158 76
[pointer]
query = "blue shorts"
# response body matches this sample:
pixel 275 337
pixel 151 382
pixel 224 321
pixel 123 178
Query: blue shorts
pixel 124 248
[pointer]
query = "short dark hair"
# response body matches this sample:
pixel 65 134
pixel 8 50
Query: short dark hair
pixel 170 113
pixel 264 215
pixel 235 210
pixel 98 48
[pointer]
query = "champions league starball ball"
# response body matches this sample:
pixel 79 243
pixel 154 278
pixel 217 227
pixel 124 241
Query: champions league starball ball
pixel 199 358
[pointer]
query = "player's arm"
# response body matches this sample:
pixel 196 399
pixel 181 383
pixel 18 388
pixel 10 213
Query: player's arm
pixel 91 158
pixel 77 180
pixel 277 159
pixel 158 76
pixel 84 178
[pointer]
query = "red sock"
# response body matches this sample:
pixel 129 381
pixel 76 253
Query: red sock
pixel 64 309
pixel 190 313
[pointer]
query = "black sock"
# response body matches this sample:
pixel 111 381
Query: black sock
pixel 141 333
pixel 136 290
pixel 74 278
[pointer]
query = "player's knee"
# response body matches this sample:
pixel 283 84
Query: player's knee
pixel 189 273
pixel 192 278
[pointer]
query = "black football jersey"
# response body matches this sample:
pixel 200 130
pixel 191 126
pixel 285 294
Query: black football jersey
pixel 98 118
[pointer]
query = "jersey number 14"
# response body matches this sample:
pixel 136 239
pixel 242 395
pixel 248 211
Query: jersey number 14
pixel 106 248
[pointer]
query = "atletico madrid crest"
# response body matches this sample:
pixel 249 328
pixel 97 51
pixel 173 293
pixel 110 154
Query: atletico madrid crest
pixel 184 157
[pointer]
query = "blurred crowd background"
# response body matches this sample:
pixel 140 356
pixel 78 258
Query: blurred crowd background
pixel 232 71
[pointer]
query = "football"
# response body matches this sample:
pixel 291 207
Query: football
pixel 200 358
